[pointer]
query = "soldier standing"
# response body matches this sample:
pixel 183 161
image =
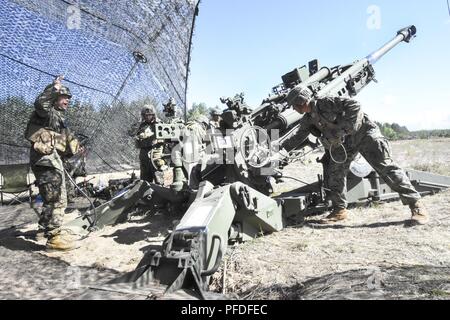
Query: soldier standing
pixel 345 131
pixel 50 141
pixel 150 154
pixel 215 118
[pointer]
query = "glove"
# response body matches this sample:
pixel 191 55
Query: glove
pixel 146 134
pixel 334 141
pixel 334 137
pixel 281 156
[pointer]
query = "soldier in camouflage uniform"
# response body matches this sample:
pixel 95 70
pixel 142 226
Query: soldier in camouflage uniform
pixel 50 141
pixel 199 127
pixel 151 149
pixel 215 118
pixel 343 125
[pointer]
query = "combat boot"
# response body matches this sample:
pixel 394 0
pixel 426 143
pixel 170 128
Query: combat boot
pixel 419 213
pixel 40 235
pixel 61 241
pixel 336 215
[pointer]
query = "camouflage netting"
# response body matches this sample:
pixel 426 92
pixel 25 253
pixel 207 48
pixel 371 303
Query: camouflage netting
pixel 94 45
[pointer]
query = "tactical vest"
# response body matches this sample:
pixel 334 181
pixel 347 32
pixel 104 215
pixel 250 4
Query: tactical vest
pixel 46 134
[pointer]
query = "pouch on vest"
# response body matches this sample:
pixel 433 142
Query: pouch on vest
pixel 44 141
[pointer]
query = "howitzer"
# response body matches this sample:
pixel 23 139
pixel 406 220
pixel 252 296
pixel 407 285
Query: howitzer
pixel 227 188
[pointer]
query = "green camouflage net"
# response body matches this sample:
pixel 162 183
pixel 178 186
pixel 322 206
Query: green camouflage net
pixel 116 56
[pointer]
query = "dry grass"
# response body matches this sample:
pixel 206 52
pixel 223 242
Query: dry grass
pixel 426 155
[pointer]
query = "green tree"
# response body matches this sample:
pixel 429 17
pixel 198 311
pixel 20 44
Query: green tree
pixel 197 109
pixel 389 133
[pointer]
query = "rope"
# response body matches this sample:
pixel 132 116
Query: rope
pixel 298 156
pixel 305 183
pixel 115 99
pixel 84 194
pixel 331 154
pixel 295 179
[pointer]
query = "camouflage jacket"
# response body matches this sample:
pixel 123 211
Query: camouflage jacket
pixel 331 118
pixel 144 134
pixel 47 132
pixel 45 115
pixel 214 124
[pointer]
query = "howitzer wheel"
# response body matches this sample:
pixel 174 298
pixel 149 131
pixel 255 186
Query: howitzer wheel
pixel 257 139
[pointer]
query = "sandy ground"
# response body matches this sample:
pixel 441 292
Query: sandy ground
pixel 25 273
pixel 371 242
pixel 372 255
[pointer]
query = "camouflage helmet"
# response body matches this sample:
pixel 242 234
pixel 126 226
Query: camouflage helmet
pixel 64 91
pixel 202 119
pixel 148 109
pixel 216 112
pixel 299 96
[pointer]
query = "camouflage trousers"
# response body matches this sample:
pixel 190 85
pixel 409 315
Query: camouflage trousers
pixel 148 172
pixel 52 188
pixel 146 167
pixel 374 147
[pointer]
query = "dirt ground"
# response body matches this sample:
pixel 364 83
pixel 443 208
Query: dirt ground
pixel 372 255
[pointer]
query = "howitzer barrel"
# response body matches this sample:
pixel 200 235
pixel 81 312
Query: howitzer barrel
pixel 284 120
pixel 405 34
pixel 336 85
pixel 318 76
pixel 290 116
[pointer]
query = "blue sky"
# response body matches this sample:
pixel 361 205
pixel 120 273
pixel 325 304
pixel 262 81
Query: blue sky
pixel 247 45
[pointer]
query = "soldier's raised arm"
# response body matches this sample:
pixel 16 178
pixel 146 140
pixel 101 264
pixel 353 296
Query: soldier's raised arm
pixel 44 102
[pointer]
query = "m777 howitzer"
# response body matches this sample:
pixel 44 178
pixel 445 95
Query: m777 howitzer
pixel 223 179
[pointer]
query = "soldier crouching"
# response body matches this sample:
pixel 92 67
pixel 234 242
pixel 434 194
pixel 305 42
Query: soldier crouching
pixel 346 131
pixel 50 141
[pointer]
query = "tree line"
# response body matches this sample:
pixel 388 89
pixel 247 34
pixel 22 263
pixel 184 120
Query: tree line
pixel 394 131
pixel 82 116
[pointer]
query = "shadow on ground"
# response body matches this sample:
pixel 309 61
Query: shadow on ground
pixel 151 226
pixel 316 224
pixel 14 239
pixel 29 275
pixel 393 283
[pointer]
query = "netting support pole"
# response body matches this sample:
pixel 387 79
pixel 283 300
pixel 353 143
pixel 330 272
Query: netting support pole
pixel 189 60
pixel 139 58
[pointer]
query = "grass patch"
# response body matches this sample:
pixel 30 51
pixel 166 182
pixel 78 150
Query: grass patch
pixel 440 293
pixel 438 168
